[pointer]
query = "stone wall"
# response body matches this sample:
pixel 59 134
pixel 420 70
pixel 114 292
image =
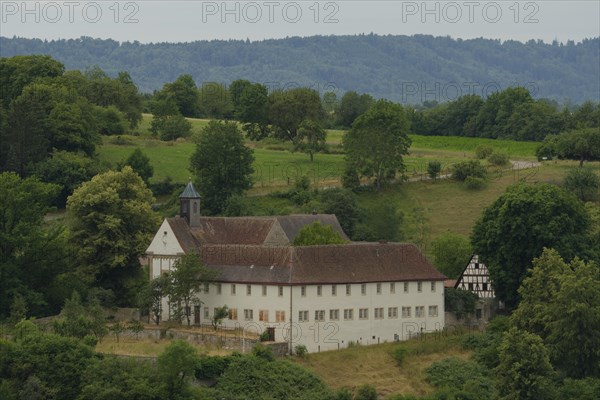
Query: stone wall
pixel 226 340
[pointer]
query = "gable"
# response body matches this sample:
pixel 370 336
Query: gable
pixel 165 242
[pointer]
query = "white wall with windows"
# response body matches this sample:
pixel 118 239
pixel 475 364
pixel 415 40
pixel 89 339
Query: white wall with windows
pixel 328 317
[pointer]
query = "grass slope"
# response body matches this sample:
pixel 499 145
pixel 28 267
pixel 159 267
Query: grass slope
pixel 374 365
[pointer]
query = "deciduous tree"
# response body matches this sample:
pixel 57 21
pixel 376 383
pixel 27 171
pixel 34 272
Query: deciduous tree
pixel 222 164
pixel 112 224
pixel 517 226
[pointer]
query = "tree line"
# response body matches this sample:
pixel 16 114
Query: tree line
pixel 559 71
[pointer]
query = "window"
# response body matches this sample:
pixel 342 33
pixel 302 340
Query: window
pixel 333 290
pixel 470 285
pixel 233 314
pixel 319 315
pixel 378 313
pixel 303 291
pixel 419 287
pixel 363 289
pixel 405 312
pixel 348 314
pixel 206 288
pixel 280 316
pixel 363 313
pixel 348 290
pixel 248 290
pixel 302 316
pixel 319 290
pixel 405 287
pixel 393 312
pixel 485 286
pixel 419 311
pixel 433 311
pixel 433 286
pixel 218 285
pixel 264 290
pixel 233 289
pixel 476 265
pixel 263 315
pixel 248 315
pixel 334 315
pixel 379 288
pixel 392 288
pixel 280 291
pixel 206 312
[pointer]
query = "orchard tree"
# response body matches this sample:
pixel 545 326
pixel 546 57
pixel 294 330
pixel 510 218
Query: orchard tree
pixel 581 145
pixel 584 182
pixel 287 110
pixel 514 230
pixel 377 141
pixel 252 109
pixel 222 164
pixel 112 224
pixel 311 138
pixel 167 122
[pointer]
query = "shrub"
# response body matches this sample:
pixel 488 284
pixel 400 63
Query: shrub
pixel 499 159
pixel 460 302
pixel 483 151
pixel 453 372
pixel 264 352
pixel 473 183
pixel 433 169
pixel 211 367
pixel 400 353
pixel 366 392
pixel 264 337
pixel 350 179
pixel 301 350
pixel 121 141
pixel 465 169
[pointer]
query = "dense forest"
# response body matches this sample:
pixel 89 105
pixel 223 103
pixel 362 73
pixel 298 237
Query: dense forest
pixel 408 69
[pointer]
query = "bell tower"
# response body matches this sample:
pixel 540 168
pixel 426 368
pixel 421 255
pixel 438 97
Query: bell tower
pixel 189 205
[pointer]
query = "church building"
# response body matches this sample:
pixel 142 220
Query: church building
pixel 324 297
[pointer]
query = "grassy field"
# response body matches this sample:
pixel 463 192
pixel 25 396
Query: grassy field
pixel 375 366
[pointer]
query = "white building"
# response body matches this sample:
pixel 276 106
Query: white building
pixel 323 297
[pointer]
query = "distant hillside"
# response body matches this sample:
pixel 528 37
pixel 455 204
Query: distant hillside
pixel 402 68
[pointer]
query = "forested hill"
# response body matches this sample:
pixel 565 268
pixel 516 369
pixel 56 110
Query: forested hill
pixel 409 69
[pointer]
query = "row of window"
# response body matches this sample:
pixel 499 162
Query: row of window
pixel 334 289
pixel 334 315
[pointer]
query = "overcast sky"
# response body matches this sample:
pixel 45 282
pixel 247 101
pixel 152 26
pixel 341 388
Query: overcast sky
pixel 185 21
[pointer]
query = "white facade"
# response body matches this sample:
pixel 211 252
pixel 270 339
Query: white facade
pixel 327 321
pixel 321 317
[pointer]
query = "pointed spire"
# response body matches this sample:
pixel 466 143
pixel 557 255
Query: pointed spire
pixel 189 192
